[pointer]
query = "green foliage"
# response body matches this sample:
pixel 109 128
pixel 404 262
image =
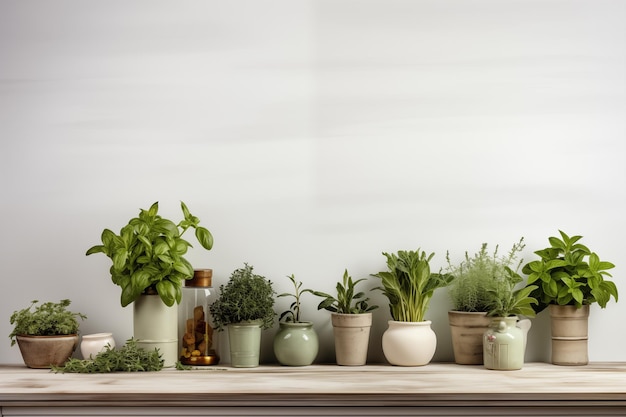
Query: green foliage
pixel 409 284
pixel 507 301
pixel 347 301
pixel 293 314
pixel 246 297
pixel 147 255
pixel 129 358
pixel 568 273
pixel 48 319
pixel 477 279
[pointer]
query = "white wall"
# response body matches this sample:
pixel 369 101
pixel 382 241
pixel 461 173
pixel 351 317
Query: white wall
pixel 308 136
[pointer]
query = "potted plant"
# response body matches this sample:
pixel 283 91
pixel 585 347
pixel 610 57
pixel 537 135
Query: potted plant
pixel 296 342
pixel 409 285
pixel 48 335
pixel 245 305
pixel 504 343
pixel 473 292
pixel 351 318
pixel 148 264
pixel 569 278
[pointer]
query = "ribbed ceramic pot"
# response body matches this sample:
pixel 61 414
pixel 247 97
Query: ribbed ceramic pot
pixel 92 344
pixel 407 343
pixel 503 345
pixel 245 344
pixel 43 351
pixel 352 336
pixel 569 326
pixel 296 344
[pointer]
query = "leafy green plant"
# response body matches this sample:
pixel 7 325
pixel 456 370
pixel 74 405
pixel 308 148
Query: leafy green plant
pixel 409 285
pixel 245 297
pixel 129 358
pixel 47 319
pixel 477 279
pixel 293 314
pixel 347 301
pixel 568 273
pixel 508 301
pixel 147 254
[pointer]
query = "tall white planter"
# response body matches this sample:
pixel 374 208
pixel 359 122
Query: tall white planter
pixel 407 343
pixel 155 325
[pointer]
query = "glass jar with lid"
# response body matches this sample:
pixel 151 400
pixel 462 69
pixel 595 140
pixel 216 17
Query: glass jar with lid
pixel 198 340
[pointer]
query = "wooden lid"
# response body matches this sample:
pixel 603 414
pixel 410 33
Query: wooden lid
pixel 201 278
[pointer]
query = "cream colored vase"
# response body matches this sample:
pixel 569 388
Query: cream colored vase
pixel 155 325
pixel 467 329
pixel 352 335
pixel 409 343
pixel 569 334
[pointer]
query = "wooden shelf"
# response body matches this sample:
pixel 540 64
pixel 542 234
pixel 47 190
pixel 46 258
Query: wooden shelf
pixel 437 388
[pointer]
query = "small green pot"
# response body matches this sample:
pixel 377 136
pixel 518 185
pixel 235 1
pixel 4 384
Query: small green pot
pixel 245 344
pixel 296 344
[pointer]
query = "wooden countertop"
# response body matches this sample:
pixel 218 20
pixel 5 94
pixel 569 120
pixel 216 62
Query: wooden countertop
pixel 436 384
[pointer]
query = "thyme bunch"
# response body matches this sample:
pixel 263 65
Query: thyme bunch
pixel 129 358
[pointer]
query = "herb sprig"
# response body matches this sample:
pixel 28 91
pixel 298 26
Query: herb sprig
pixel 129 358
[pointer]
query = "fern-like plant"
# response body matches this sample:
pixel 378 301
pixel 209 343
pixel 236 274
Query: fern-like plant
pixel 409 285
pixel 246 297
pixel 478 280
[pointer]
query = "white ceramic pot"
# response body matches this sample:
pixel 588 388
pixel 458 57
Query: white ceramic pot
pixel 92 344
pixel 409 343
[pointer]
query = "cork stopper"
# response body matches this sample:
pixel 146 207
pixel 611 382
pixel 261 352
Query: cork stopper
pixel 201 278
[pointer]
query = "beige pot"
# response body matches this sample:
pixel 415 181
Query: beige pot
pixel 352 335
pixel 43 351
pixel 467 329
pixel 569 327
pixel 155 326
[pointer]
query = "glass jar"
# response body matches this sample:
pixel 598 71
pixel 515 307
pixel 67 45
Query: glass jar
pixel 198 340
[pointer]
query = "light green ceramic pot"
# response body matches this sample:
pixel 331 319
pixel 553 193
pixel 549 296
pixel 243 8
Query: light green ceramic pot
pixel 245 344
pixel 296 344
pixel 503 345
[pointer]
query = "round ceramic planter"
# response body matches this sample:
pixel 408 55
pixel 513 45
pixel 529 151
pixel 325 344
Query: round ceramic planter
pixel 296 344
pixel 155 326
pixel 569 326
pixel 92 344
pixel 503 345
pixel 352 335
pixel 408 343
pixel 43 351
pixel 245 344
pixel 467 330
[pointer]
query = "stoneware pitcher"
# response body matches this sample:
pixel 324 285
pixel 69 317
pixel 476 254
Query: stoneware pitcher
pixel 504 343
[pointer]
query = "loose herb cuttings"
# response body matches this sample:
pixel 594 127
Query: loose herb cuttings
pixel 129 358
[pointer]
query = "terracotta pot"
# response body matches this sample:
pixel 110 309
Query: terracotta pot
pixel 43 351
pixel 569 327
pixel 467 329
pixel 352 335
